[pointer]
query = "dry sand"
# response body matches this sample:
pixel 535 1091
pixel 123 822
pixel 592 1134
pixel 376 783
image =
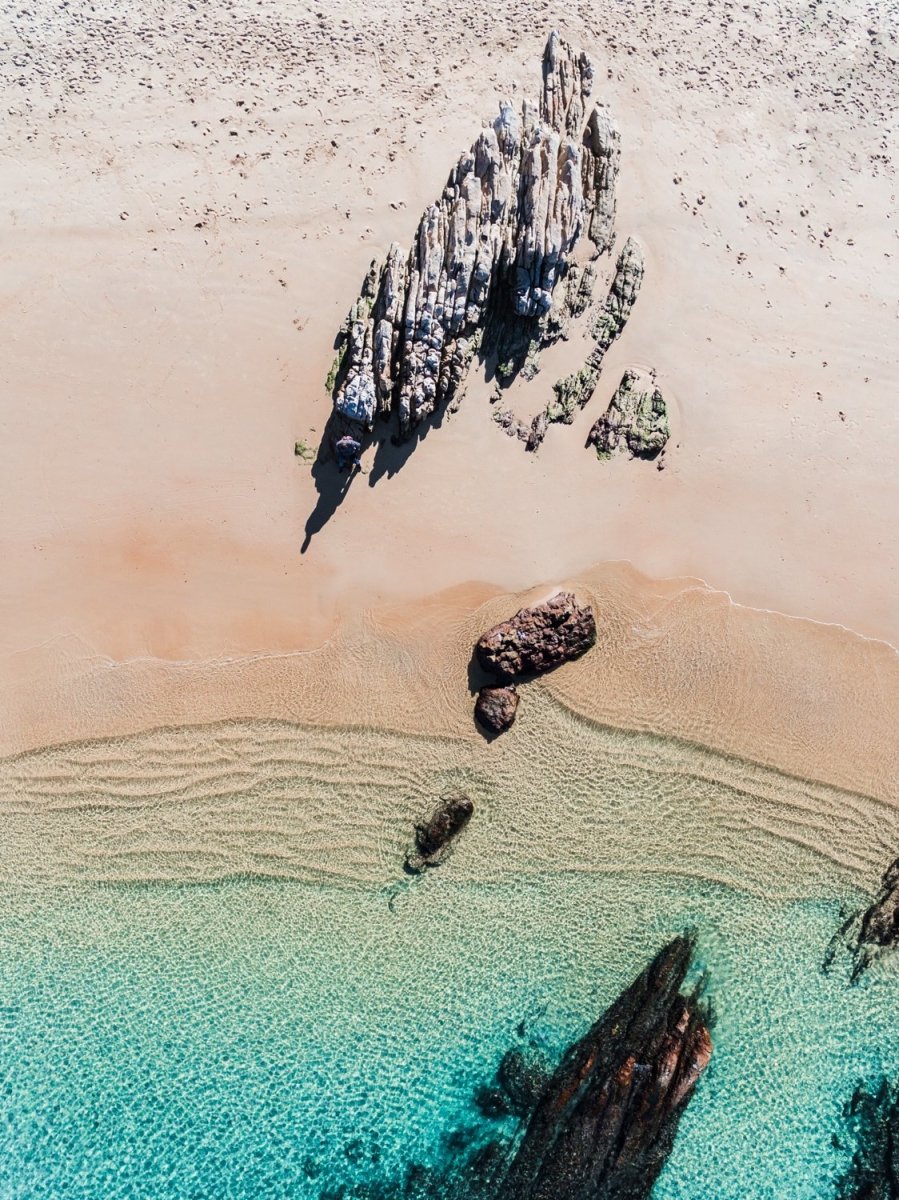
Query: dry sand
pixel 192 193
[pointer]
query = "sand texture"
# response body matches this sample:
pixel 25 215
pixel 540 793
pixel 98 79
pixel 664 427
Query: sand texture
pixel 193 196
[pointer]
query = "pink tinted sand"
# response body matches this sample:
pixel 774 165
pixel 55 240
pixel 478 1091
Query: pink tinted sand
pixel 171 292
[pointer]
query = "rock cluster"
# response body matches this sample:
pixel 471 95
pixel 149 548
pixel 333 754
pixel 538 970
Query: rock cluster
pixel 434 838
pixel 872 931
pixel 573 392
pixel 487 257
pixel 636 420
pixel 535 640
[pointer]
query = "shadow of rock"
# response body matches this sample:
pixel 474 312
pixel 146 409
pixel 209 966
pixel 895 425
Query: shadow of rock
pixel 331 484
pixel 393 453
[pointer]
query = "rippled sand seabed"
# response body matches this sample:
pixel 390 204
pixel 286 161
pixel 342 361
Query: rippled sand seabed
pixel 637 757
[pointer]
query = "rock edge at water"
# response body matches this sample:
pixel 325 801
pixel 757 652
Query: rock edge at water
pixel 435 837
pixel 602 1124
pixel 873 931
pixel 537 639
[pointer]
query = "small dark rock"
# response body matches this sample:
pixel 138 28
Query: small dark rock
pixel 523 1077
pixel 496 707
pixel 434 838
pixel 493 1102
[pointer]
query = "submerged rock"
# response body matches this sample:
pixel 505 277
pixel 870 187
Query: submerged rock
pixel 873 1117
pixel 434 838
pixel 487 256
pixel 605 1122
pixel 523 1077
pixel 495 708
pixel 537 639
pixel 872 931
pixel 599 1126
pixel 636 420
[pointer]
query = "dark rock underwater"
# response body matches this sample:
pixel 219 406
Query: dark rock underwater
pixel 598 1127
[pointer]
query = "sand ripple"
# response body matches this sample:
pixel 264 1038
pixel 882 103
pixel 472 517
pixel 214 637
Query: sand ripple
pixel 269 799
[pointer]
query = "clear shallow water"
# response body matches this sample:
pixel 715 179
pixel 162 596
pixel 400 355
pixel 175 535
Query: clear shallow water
pixel 267 1037
pixel 231 1040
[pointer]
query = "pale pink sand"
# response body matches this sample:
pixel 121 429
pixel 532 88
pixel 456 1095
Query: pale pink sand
pixel 170 294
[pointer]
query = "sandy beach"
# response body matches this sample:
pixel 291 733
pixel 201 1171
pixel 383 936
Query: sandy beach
pixel 193 194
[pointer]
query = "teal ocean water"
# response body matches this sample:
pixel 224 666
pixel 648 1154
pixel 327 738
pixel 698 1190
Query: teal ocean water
pixel 276 1034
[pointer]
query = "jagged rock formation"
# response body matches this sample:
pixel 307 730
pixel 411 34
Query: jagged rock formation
pixel 434 837
pixel 487 257
pixel 495 708
pixel 874 1119
pixel 606 1121
pixel 573 392
pixel 636 420
pixel 598 1127
pixel 872 931
pixel 537 639
pixel 605 145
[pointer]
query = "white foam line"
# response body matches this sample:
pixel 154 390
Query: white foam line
pixel 695 583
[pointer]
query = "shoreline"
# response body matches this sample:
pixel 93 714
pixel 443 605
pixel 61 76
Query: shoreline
pixel 673 658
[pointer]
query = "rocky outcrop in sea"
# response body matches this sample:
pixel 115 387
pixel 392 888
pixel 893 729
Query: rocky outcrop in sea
pixel 606 1121
pixel 873 931
pixel 873 1118
pixel 598 1127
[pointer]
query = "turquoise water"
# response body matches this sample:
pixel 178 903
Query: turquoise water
pixel 234 1040
pixel 313 1019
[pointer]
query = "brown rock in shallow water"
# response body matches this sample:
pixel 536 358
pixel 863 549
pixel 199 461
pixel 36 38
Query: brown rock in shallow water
pixel 496 707
pixel 602 1124
pixel 434 838
pixel 605 1122
pixel 538 639
pixel 872 931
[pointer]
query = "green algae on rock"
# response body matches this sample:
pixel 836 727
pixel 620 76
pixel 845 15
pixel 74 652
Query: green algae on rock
pixel 492 268
pixel 573 392
pixel 636 420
